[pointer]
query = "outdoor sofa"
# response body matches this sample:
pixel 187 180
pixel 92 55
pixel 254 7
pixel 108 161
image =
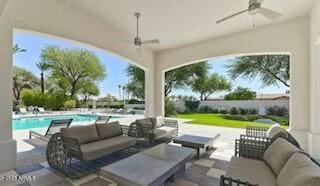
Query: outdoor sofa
pixel 156 129
pixel 80 150
pixel 265 162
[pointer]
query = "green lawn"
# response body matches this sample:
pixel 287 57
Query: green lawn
pixel 219 120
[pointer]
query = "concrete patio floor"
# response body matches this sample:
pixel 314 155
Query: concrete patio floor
pixel 205 171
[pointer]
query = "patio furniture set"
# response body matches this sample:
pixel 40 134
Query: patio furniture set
pixel 270 156
pixel 136 154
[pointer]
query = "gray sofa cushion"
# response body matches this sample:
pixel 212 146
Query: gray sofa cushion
pixel 84 133
pixel 100 148
pixel 145 122
pixel 275 131
pixel 109 130
pixel 162 132
pixel 298 171
pixel 253 171
pixel 278 153
pixel 158 121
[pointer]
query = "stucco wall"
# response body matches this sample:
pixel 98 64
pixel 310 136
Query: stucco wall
pixel 314 133
pixel 245 104
pixel 290 37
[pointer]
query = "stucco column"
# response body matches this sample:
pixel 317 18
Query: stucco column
pixel 7 144
pixel 159 91
pixel 150 91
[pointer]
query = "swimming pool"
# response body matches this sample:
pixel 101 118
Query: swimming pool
pixel 40 122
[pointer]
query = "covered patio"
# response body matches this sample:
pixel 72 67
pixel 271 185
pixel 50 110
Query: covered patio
pixel 188 34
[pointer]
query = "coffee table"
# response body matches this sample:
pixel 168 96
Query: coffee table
pixel 196 142
pixel 151 167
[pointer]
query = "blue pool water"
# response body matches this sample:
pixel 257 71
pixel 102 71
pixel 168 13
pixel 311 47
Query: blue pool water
pixel 40 122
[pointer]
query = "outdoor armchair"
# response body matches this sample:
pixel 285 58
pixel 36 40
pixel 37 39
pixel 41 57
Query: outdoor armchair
pixel 262 162
pixel 157 130
pixel 272 132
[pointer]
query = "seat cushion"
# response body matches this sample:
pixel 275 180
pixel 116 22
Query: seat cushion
pixel 109 130
pixel 158 121
pixel 84 133
pixel 278 153
pixel 163 132
pixel 299 170
pixel 275 131
pixel 103 147
pixel 145 122
pixel 253 171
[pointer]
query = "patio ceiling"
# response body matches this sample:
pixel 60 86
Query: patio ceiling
pixel 182 22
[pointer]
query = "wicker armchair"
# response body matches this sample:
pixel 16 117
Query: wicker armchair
pixel 265 132
pixel 66 154
pixel 251 152
pixel 152 132
pixel 251 147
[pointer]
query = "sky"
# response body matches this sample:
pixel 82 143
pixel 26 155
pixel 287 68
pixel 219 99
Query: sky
pixel 116 66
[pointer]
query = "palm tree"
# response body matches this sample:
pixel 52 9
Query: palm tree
pixel 42 66
pixel 119 92
pixel 17 49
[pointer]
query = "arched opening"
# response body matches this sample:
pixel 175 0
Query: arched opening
pixel 47 91
pixel 230 91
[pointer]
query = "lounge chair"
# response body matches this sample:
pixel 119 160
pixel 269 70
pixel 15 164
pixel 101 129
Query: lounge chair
pixel 23 111
pixel 53 128
pixel 102 119
pixel 42 110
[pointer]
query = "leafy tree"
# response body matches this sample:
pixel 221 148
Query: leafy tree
pixel 89 89
pixel 241 93
pixel 136 86
pixel 16 49
pixel 70 104
pixel 208 85
pixel 183 76
pixel 22 79
pixel 42 67
pixel 72 68
pixel 272 69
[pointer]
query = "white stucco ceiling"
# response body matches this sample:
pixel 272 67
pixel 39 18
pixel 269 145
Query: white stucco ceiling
pixel 180 22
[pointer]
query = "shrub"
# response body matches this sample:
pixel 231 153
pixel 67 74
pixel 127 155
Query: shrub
pixel 236 117
pixel 215 111
pixel 33 97
pixel 277 111
pixel 243 111
pixel 192 106
pixel 69 104
pixel 234 111
pixel 170 108
pixel 223 111
pixel 54 101
pixel 253 111
pixel 205 109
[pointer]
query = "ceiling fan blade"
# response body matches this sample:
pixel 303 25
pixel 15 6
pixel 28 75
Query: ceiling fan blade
pixel 152 41
pixel 231 16
pixel 270 14
pixel 255 1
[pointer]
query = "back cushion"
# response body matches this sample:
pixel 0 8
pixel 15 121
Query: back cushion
pixel 276 131
pixel 158 121
pixel 145 122
pixel 84 134
pixel 278 153
pixel 298 171
pixel 109 130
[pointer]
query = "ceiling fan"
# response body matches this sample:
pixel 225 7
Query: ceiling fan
pixel 255 8
pixel 137 40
